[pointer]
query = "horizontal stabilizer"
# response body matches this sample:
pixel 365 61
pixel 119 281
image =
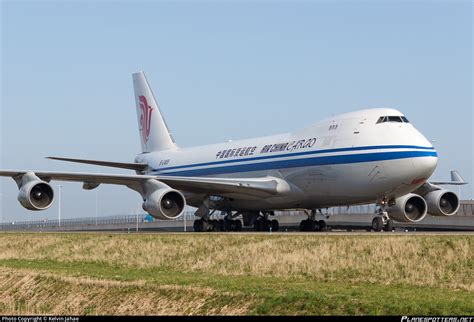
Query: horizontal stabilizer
pixel 122 165
pixel 456 180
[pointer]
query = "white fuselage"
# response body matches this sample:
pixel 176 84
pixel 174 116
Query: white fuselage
pixel 348 159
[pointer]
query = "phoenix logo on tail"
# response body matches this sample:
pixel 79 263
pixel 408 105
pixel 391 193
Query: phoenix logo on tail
pixel 145 118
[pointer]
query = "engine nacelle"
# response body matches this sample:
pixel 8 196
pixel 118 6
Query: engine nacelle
pixel 408 208
pixel 442 203
pixel 36 195
pixel 165 203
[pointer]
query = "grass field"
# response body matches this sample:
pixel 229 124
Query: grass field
pixel 277 274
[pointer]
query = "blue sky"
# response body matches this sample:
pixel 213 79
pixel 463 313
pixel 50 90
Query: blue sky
pixel 221 70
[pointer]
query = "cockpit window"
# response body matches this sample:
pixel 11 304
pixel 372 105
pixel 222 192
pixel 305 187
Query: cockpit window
pixel 396 119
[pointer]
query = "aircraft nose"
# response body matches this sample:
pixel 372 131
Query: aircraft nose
pixel 430 163
pixel 426 165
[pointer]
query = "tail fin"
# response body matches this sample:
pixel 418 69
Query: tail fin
pixel 154 133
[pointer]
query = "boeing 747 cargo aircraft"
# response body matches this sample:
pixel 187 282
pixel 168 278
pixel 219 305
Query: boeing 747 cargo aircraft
pixel 367 156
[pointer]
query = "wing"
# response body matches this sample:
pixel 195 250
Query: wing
pixel 122 165
pixel 263 187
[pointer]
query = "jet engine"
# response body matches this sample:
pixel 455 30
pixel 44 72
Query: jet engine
pixel 165 203
pixel 442 203
pixel 408 208
pixel 36 195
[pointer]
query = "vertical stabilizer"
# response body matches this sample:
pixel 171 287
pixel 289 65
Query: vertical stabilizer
pixel 154 133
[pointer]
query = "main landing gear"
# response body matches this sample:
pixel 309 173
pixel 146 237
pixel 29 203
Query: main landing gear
pixel 311 224
pixel 217 225
pixel 231 220
pixel 382 221
pixel 262 223
pixel 205 223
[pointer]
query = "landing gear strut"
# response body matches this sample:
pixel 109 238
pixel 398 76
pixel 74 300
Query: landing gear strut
pixel 311 224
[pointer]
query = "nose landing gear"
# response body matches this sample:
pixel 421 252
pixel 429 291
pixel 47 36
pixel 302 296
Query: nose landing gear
pixel 382 220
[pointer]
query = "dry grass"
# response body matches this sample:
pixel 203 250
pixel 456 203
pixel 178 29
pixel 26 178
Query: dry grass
pixel 31 292
pixel 439 261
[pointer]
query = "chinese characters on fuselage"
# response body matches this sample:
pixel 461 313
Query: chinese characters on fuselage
pixel 237 152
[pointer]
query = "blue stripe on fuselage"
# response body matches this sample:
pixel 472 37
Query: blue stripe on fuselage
pixel 303 162
pixel 360 148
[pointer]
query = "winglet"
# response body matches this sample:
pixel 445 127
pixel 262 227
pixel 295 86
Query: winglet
pixel 456 177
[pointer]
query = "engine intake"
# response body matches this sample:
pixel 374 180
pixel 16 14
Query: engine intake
pixel 442 203
pixel 165 203
pixel 36 195
pixel 408 208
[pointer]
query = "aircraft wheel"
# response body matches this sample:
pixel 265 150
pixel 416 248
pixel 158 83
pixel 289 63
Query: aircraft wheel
pixel 228 225
pixel 198 225
pixel 377 224
pixel 215 225
pixel 275 225
pixel 238 225
pixel 315 225
pixel 222 226
pixel 304 225
pixel 266 225
pixel 389 225
pixel 322 225
pixel 258 225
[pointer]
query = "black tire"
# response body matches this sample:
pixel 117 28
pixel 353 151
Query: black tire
pixel 275 225
pixel 303 225
pixel 322 225
pixel 377 224
pixel 222 225
pixel 266 225
pixel 228 225
pixel 238 225
pixel 316 226
pixel 215 225
pixel 198 225
pixel 258 225
pixel 389 225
